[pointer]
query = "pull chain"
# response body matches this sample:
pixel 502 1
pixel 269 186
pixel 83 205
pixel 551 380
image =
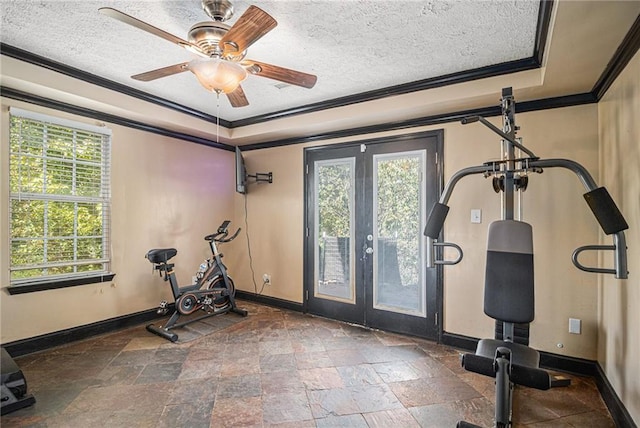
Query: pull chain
pixel 217 117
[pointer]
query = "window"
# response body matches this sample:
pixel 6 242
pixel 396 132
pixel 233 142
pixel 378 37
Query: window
pixel 59 181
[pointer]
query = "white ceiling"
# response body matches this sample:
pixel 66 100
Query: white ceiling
pixel 353 46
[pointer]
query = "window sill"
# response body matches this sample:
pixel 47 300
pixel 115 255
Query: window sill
pixel 31 287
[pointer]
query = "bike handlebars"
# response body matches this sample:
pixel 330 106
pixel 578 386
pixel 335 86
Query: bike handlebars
pixel 221 234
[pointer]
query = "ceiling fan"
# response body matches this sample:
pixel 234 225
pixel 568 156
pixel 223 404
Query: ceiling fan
pixel 223 49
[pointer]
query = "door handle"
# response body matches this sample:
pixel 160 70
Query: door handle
pixel 369 250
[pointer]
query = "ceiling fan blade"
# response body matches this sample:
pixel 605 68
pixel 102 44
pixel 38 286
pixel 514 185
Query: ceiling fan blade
pixel 252 25
pixel 282 74
pixel 161 72
pixel 237 98
pixel 135 22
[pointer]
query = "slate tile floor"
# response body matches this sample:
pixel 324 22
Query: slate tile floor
pixel 282 369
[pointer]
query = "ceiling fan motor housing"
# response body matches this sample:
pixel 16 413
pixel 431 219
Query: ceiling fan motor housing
pixel 206 36
pixel 218 10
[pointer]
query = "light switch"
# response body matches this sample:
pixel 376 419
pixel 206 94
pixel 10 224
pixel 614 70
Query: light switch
pixel 575 325
pixel 476 216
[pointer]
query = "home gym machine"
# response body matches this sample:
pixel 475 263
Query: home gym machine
pixel 213 292
pixel 509 283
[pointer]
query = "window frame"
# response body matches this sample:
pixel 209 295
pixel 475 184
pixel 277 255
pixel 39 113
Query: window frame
pixel 53 281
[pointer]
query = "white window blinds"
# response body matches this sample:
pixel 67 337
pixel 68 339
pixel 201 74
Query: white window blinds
pixel 59 179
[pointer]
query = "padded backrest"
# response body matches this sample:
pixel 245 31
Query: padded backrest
pixel 508 285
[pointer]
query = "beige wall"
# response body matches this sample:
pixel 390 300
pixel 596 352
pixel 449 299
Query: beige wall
pixel 553 204
pixel 165 193
pixel 619 301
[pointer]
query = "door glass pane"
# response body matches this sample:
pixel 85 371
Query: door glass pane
pixel 334 218
pixel 398 198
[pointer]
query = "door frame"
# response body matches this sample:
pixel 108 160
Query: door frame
pixel 308 255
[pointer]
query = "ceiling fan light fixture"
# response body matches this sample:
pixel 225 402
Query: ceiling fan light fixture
pixel 218 75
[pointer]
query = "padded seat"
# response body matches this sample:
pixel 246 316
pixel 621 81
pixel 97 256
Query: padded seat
pixel 161 255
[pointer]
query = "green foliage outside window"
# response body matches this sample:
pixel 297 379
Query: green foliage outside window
pixel 58 220
pixel 398 202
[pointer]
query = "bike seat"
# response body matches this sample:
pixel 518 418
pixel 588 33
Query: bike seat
pixel 161 255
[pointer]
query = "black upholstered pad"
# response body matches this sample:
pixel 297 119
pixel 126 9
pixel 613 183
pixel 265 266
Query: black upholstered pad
pixel 161 254
pixel 509 286
pixel 532 377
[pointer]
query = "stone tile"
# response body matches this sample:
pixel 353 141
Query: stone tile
pixel 307 345
pixel 396 371
pixel 281 382
pixel 392 339
pixel 143 398
pixel 362 374
pixel 275 334
pixel 452 362
pixel 49 402
pixel 188 391
pixel 346 357
pixel 485 385
pixel 241 350
pixel 453 388
pixel 140 343
pixel 393 353
pixel 237 412
pixel 430 367
pixel 313 360
pixel 348 421
pixel 436 415
pixel 119 375
pixel 418 392
pixel 528 409
pixel 289 407
pixel 275 347
pixel 336 401
pixel 478 411
pixel 106 418
pixel 198 353
pixel 133 358
pixel 400 418
pixel 171 355
pixel 586 419
pixel 374 398
pixel 159 373
pixel 200 369
pixel 322 378
pixel 189 414
pixel 240 386
pixel 231 367
pixel 277 363
pixel 311 423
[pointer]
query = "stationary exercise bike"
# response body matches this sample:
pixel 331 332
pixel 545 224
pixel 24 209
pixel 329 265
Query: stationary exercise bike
pixel 213 292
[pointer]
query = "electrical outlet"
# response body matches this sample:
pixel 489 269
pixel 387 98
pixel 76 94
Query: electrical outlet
pixel 266 278
pixel 476 216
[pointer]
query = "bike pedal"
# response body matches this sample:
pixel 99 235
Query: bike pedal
pixel 163 309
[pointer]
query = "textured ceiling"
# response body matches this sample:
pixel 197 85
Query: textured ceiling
pixel 352 46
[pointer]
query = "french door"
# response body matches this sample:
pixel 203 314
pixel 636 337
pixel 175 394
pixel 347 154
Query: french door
pixel 366 207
